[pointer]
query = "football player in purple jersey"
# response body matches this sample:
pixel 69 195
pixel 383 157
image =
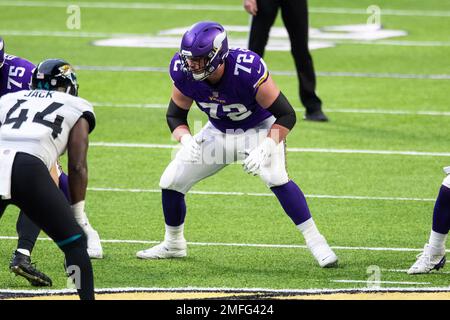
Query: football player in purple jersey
pixel 433 255
pixel 249 119
pixel 15 72
pixel 15 75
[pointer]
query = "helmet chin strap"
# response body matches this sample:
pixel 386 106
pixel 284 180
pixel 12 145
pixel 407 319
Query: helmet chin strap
pixel 205 74
pixel 200 76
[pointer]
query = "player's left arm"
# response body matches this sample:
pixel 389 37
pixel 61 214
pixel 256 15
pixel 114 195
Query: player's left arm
pixel 77 148
pixel 272 99
pixel 269 97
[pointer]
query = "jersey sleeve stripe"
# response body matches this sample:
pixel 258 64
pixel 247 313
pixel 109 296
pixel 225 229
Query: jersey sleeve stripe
pixel 263 78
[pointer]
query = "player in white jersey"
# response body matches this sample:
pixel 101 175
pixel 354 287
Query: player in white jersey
pixel 36 127
pixel 15 75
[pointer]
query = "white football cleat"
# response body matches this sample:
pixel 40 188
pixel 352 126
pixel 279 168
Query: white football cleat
pixel 430 259
pixel 322 252
pixel 94 246
pixel 165 250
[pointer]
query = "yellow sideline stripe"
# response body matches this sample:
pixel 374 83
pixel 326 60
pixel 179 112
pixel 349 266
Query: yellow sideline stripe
pixel 143 296
pixel 209 295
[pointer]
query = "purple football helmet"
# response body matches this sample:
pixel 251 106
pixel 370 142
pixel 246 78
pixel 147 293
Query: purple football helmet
pixel 2 52
pixel 205 43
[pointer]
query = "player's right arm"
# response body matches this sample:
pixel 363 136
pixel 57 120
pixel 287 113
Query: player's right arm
pixel 177 120
pixel 177 113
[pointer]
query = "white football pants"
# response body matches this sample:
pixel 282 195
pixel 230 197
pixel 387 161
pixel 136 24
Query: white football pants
pixel 220 149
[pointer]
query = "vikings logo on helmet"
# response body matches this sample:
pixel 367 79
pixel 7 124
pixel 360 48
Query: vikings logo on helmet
pixel 205 46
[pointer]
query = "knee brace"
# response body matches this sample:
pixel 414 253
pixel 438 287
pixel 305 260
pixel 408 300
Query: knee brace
pixel 168 176
pixel 172 179
pixel 275 178
pixel 274 173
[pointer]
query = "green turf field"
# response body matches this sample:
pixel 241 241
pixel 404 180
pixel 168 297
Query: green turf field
pixel 370 175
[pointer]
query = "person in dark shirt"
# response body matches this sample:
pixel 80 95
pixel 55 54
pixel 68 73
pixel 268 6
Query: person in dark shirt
pixel 295 17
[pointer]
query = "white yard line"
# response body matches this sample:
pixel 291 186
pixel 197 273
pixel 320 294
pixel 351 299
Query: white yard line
pixel 252 194
pixel 80 34
pixel 331 110
pixel 122 69
pixel 246 245
pixel 122 5
pixel 406 270
pixel 384 12
pixel 132 145
pixel 385 75
pixel 402 43
pixel 378 152
pixel 201 7
pixel 131 105
pixel 381 282
pixel 387 112
pixel 68 34
pixel 304 150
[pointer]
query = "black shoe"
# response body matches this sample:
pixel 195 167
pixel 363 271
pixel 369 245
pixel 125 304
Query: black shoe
pixel 21 265
pixel 317 115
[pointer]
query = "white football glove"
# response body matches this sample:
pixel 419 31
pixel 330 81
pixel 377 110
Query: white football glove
pixel 191 150
pixel 94 246
pixel 258 156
